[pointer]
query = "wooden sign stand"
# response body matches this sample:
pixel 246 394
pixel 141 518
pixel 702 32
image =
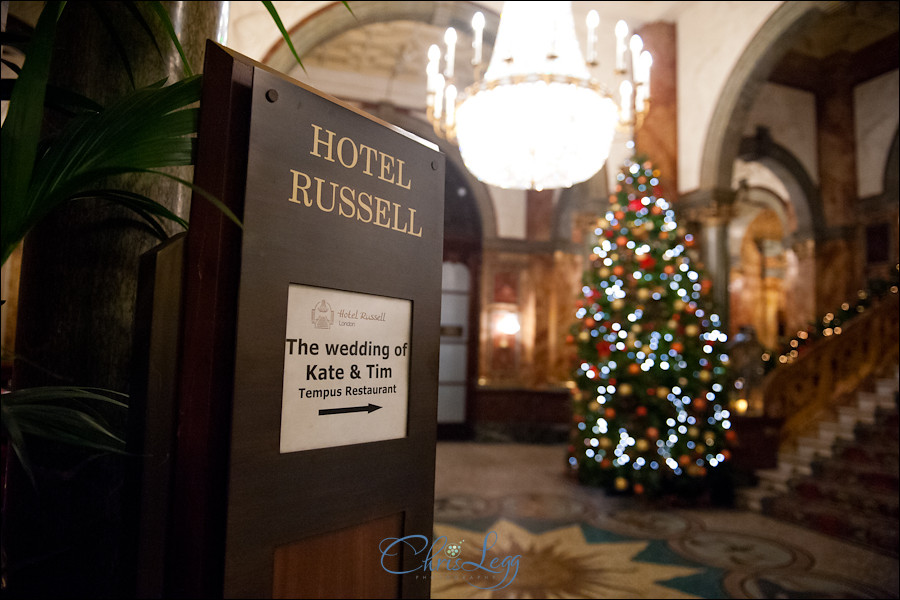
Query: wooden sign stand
pixel 332 288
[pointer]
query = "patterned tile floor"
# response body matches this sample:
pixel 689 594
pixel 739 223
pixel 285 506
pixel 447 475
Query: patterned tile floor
pixel 511 524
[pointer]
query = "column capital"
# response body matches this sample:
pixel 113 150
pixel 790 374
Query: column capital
pixel 714 206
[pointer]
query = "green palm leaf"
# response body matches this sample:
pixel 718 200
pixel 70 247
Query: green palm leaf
pixel 21 131
pixel 63 414
pixel 149 128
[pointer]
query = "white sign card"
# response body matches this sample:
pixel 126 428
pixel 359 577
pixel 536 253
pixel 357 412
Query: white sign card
pixel 346 368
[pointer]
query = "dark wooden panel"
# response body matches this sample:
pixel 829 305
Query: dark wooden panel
pixel 514 405
pixel 152 409
pixel 212 266
pixel 756 446
pixel 311 568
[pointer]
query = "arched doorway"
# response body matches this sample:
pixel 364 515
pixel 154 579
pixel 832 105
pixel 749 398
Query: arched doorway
pixel 459 307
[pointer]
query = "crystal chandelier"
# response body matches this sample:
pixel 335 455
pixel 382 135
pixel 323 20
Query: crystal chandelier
pixel 537 119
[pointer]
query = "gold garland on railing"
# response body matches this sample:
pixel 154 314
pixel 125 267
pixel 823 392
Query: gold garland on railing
pixel 826 376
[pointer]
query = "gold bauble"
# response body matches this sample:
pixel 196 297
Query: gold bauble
pixel 662 392
pixel 584 336
pixel 604 272
pixel 605 442
pixel 642 445
pixel 704 376
pixel 626 389
pixel 700 448
pixel 617 304
pixel 693 432
pixel 594 406
pixel 691 330
pixel 643 293
pixel 621 484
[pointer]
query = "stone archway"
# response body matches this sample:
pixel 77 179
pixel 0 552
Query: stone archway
pixel 725 132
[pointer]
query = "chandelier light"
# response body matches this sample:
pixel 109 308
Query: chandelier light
pixel 537 119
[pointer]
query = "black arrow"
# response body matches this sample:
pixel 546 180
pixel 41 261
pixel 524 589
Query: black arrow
pixel 349 409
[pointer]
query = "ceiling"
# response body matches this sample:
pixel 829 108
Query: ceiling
pixel 395 53
pixel 849 27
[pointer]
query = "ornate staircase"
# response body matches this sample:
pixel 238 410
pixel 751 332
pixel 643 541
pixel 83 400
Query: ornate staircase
pixel 838 466
pixel 844 480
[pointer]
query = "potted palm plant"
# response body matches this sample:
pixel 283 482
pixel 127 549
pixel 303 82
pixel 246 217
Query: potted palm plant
pixel 66 151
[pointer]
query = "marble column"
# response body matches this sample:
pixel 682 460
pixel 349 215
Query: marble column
pixel 657 137
pixel 706 214
pixel 76 308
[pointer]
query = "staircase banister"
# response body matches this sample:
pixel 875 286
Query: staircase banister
pixel 833 368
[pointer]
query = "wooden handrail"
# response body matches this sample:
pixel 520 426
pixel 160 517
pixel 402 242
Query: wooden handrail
pixel 830 372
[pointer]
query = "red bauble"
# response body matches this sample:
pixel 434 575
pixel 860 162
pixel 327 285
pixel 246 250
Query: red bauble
pixel 641 411
pixel 648 262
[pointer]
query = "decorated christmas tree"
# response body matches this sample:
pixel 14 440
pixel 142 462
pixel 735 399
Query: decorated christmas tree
pixel 650 407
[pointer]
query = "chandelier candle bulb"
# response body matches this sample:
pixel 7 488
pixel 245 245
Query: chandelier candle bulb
pixel 439 98
pixel 478 29
pixel 451 106
pixel 643 74
pixel 450 40
pixel 636 44
pixel 593 21
pixel 621 34
pixel 433 69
